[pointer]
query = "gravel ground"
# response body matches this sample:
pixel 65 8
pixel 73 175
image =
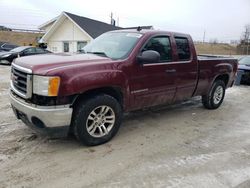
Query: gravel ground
pixel 183 145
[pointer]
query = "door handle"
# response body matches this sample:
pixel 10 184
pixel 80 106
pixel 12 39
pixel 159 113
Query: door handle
pixel 170 71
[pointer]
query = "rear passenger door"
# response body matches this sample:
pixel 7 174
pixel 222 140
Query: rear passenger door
pixel 186 68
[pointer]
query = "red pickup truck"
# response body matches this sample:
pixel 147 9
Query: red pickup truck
pixel 119 71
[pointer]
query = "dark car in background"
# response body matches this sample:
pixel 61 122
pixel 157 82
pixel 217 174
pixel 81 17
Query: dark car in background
pixel 244 66
pixel 5 46
pixel 8 57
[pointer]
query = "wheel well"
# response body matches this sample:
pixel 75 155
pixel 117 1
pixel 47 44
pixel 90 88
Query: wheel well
pixel 224 78
pixel 112 91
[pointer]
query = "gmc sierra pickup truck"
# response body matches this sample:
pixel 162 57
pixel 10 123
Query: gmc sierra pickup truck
pixel 119 71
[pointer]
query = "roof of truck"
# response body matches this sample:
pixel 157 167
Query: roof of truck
pixel 150 31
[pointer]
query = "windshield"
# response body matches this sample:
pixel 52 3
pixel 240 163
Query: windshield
pixel 113 45
pixel 19 49
pixel 245 61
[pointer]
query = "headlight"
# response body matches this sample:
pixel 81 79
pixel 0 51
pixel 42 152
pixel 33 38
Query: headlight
pixel 45 85
pixel 6 55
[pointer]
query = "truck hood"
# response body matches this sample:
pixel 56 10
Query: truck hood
pixel 42 64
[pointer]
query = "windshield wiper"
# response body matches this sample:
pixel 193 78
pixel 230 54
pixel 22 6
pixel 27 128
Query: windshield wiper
pixel 98 53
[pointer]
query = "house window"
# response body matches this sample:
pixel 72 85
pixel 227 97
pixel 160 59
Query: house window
pixel 80 45
pixel 54 49
pixel 66 46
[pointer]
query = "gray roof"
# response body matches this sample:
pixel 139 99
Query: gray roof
pixel 93 27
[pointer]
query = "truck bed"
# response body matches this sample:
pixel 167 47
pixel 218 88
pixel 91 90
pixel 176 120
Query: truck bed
pixel 212 57
pixel 212 66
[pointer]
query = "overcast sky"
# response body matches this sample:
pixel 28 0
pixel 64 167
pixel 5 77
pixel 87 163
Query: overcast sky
pixel 221 19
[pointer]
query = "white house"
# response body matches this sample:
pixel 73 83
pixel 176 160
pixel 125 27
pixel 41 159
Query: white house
pixel 69 32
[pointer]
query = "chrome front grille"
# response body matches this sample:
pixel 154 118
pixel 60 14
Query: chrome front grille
pixel 21 81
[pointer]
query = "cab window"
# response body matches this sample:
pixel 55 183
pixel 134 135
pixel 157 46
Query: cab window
pixel 183 49
pixel 161 44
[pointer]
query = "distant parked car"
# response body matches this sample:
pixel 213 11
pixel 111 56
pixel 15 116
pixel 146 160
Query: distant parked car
pixel 3 28
pixel 8 57
pixel 5 46
pixel 244 65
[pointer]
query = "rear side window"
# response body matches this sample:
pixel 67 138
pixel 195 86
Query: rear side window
pixel 30 51
pixel 183 49
pixel 162 45
pixel 40 50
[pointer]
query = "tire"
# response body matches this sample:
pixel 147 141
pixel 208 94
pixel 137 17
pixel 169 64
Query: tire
pixel 215 96
pixel 97 120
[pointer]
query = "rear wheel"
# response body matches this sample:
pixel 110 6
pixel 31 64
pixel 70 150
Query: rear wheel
pixel 215 96
pixel 97 120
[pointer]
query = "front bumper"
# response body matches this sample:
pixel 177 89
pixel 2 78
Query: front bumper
pixel 49 119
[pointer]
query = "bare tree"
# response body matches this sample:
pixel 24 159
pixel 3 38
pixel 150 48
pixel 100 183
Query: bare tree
pixel 245 40
pixel 213 41
pixel 246 34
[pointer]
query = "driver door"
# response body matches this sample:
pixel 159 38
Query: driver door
pixel 153 84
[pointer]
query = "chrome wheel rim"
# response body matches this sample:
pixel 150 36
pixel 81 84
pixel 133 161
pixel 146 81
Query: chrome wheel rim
pixel 218 94
pixel 100 121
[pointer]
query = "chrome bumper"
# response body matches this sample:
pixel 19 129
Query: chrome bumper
pixel 41 116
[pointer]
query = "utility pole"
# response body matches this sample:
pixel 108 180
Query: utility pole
pixel 248 41
pixel 111 18
pixel 204 36
pixel 246 38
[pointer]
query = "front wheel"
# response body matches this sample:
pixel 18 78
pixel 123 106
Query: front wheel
pixel 97 120
pixel 215 96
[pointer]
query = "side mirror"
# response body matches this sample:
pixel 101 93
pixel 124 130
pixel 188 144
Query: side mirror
pixel 149 56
